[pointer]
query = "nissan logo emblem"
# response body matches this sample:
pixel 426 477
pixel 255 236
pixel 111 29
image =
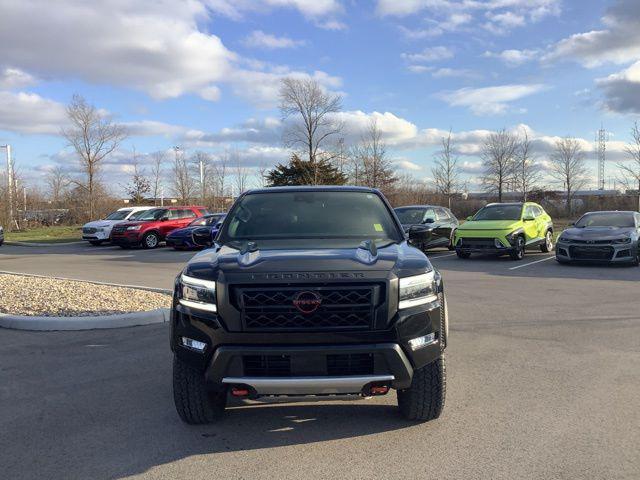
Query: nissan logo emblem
pixel 307 302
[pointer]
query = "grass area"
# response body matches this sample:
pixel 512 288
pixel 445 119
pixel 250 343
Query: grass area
pixel 57 234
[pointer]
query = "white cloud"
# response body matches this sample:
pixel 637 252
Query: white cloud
pixel 12 78
pixel 259 39
pixel 407 165
pixel 513 57
pixel 470 167
pixel 429 54
pixel 622 90
pixel 618 43
pixel 419 68
pixel 156 46
pixel 30 113
pixel 453 73
pixel 323 12
pixel 489 100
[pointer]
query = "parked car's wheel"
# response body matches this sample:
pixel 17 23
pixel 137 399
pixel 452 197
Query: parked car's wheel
pixel 424 399
pixel 518 252
pixel 194 403
pixel 462 254
pixel 634 262
pixel 451 247
pixel 96 242
pixel 547 246
pixel 150 240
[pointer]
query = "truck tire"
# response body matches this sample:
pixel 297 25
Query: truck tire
pixel 547 246
pixel 424 399
pixel 194 403
pixel 150 240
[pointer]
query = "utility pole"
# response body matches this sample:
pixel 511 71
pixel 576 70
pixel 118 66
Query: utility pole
pixel 10 186
pixel 202 179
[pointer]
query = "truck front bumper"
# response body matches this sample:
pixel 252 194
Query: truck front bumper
pixel 309 363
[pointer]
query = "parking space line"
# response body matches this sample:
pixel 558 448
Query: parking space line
pixel 441 256
pixel 533 263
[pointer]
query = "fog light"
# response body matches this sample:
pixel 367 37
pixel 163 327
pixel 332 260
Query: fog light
pixel 416 343
pixel 193 344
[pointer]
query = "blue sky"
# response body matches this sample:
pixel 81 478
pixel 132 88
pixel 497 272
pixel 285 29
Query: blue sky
pixel 204 74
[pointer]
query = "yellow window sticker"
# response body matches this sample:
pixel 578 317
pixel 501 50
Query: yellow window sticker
pixel 378 227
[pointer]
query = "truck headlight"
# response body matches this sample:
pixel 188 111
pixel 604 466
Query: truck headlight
pixel 134 227
pixel 417 290
pixel 197 293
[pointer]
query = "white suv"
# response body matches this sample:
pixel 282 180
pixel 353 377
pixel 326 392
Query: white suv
pixel 99 231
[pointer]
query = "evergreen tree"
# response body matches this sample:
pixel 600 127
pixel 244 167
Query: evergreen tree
pixel 304 172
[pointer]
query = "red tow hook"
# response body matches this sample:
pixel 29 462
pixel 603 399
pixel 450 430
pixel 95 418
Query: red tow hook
pixel 239 392
pixel 378 390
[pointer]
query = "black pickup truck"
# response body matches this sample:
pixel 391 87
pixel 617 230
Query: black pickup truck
pixel 308 291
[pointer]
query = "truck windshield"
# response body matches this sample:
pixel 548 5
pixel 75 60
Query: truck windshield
pixel 310 215
pixel 499 212
pixel 119 215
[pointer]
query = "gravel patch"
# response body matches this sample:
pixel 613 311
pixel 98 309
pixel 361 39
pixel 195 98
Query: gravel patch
pixel 23 295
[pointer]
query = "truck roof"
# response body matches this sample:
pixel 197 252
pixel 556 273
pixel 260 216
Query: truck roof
pixel 314 188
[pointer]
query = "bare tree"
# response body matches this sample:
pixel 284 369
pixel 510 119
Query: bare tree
pixel 446 174
pixel 94 137
pixel 220 171
pixel 261 175
pixel 376 169
pixel 183 182
pixel 527 173
pixel 139 184
pixel 158 159
pixel 314 110
pixel 241 173
pixel 567 165
pixel 57 181
pixel 498 156
pixel 631 171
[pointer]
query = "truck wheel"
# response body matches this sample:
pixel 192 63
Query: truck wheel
pixel 518 252
pixel 95 242
pixel 195 405
pixel 424 399
pixel 150 240
pixel 547 246
pixel 462 254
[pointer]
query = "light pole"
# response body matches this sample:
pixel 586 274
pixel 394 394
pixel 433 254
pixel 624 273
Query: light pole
pixel 9 182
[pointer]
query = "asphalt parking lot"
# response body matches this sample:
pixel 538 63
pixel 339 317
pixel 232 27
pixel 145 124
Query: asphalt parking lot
pixel 543 383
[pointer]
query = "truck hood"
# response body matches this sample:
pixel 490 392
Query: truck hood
pixel 229 260
pixel 489 225
pixel 597 233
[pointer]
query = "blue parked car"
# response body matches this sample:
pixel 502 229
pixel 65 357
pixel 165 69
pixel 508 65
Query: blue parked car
pixel 181 239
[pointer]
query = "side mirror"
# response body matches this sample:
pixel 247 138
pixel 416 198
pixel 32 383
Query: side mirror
pixel 164 219
pixel 572 224
pixel 201 237
pixel 429 220
pixel 469 218
pixel 417 233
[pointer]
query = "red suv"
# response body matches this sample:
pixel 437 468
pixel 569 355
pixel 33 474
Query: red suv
pixel 153 226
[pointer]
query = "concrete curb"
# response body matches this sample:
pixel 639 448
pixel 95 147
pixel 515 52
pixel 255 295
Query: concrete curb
pixel 31 244
pixel 19 322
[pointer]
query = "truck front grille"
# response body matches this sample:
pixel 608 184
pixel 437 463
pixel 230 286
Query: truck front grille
pixel 119 229
pixel 89 230
pixel 305 365
pixel 331 308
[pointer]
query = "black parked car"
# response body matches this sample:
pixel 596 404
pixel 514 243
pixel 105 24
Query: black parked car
pixel 430 226
pixel 1 235
pixel 309 291
pixel 610 237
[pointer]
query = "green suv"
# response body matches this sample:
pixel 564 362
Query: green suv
pixel 505 228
